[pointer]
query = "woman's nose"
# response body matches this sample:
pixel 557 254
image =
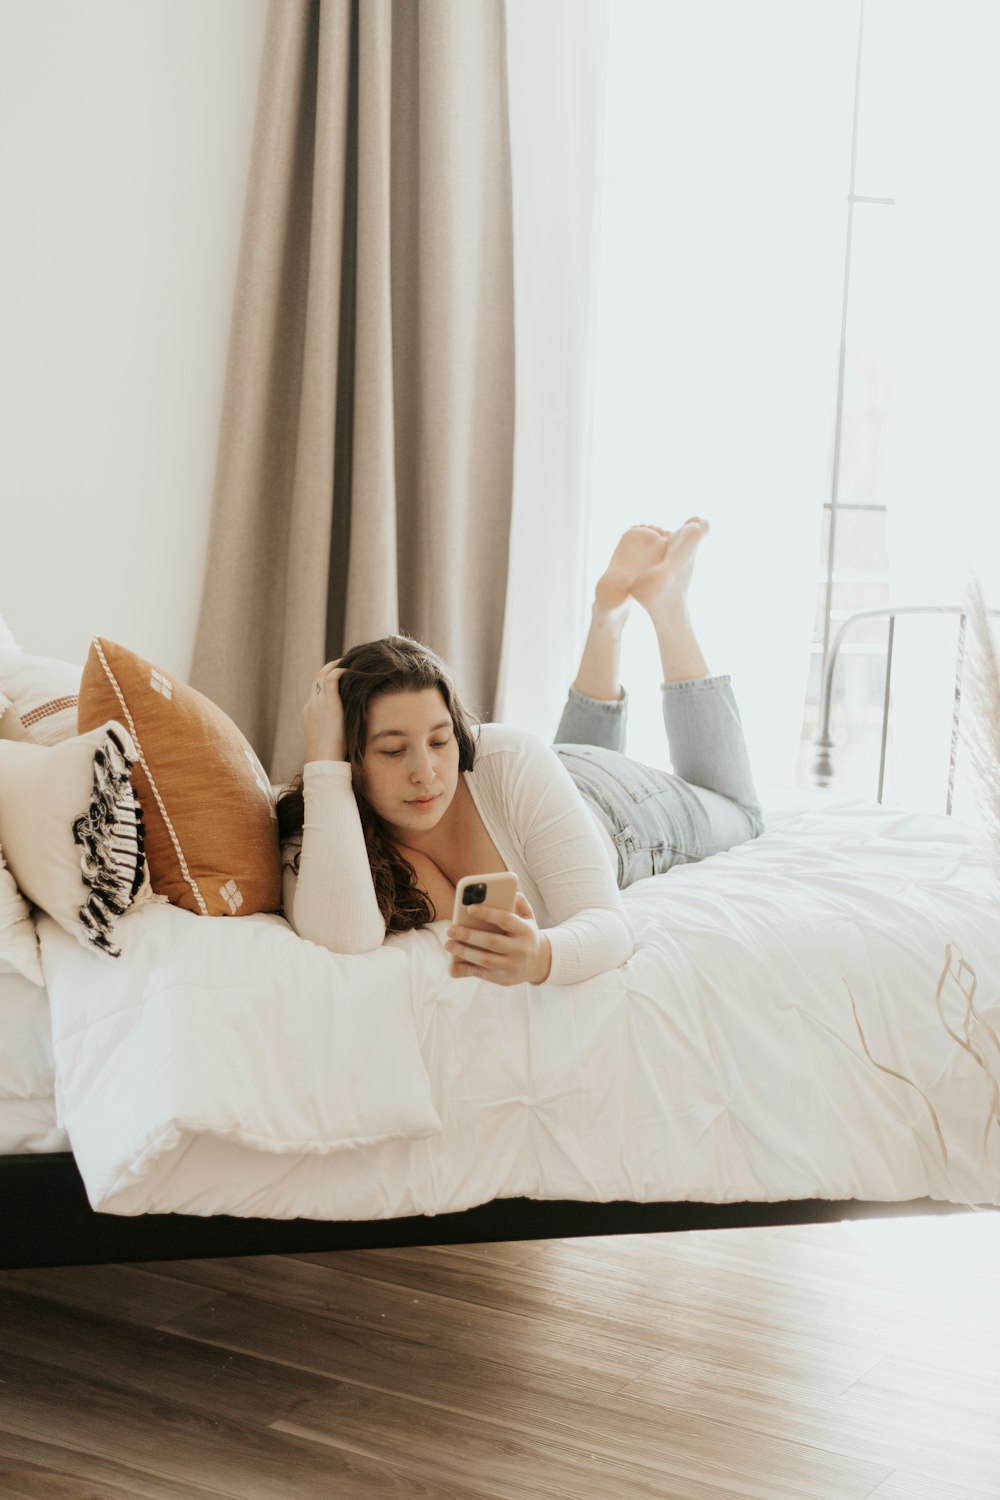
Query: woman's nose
pixel 424 769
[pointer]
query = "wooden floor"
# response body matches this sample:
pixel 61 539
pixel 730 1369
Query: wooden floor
pixel 833 1362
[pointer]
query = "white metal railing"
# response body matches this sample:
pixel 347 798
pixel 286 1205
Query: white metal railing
pixel 822 769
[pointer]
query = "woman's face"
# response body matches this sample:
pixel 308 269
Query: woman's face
pixel 410 761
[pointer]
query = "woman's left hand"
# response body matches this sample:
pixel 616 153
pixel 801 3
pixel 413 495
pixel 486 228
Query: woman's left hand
pixel 518 954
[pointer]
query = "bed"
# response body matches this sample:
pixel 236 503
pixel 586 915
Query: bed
pixel 809 1029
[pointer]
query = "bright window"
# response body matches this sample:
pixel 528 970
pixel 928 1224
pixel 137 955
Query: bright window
pixel 720 290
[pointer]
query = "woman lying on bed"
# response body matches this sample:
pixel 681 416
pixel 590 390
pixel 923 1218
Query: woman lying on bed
pixel 400 796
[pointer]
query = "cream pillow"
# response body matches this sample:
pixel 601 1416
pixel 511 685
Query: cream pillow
pixel 209 809
pixel 42 693
pixel 71 830
pixel 18 938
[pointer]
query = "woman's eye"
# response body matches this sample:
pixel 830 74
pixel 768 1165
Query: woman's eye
pixel 436 744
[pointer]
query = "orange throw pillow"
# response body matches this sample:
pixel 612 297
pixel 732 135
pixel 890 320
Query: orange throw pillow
pixel 209 809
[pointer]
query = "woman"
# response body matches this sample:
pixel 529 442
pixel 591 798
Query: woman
pixel 399 797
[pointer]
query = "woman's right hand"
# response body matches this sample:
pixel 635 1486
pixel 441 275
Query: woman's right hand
pixel 323 715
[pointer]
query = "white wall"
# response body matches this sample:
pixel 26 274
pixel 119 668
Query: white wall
pixel 125 135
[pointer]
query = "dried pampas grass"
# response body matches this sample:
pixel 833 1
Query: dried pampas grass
pixel 981 724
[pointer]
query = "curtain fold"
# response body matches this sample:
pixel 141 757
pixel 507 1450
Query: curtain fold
pixel 365 460
pixel 556 62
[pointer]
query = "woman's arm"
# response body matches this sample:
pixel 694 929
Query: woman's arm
pixel 331 900
pixel 591 932
pixel 554 842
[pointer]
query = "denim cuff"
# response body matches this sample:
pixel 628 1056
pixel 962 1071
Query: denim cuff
pixel 611 707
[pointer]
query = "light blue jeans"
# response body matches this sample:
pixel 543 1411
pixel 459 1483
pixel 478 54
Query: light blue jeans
pixel 657 818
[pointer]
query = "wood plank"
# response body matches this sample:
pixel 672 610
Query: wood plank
pixel 887 1428
pixel 32 1469
pixel 539 1462
pixel 22 1481
pixel 945 1421
pixel 895 1307
pixel 675 1311
pixel 127 1293
pixel 165 1438
pixel 902 1485
pixel 148 1362
pixel 477 1391
pixel 567 1350
pixel 513 1253
pixel 363 1355
pixel 970 1387
pixel 829 1258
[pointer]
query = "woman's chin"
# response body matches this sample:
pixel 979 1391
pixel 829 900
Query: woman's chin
pixel 416 817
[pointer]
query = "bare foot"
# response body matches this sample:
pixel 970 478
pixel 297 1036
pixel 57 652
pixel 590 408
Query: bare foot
pixel 635 556
pixel 666 582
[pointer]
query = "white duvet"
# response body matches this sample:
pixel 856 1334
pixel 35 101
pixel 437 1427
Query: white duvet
pixel 27 1083
pixel 799 1020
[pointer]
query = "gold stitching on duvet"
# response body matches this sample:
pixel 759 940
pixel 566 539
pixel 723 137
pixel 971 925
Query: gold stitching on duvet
pixel 892 1072
pixel 965 1042
pixel 993 1115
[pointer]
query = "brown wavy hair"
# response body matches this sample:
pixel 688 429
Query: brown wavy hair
pixel 393 664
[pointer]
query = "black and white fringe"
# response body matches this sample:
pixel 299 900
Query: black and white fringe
pixel 113 840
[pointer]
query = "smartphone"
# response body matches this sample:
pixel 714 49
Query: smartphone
pixel 483 890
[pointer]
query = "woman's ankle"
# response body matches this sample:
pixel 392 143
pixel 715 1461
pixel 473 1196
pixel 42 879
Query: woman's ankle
pixel 610 618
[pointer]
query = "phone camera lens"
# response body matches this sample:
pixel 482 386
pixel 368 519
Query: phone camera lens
pixel 474 895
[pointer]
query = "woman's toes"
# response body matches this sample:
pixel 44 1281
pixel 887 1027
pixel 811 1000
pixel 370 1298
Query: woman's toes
pixel 669 578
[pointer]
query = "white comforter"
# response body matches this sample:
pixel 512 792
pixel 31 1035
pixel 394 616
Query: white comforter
pixel 798 1020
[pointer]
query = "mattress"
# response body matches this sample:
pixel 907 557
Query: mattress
pixel 814 1014
pixel 27 1080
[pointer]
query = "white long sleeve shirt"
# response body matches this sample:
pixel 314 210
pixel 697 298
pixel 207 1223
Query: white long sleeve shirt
pixel 547 834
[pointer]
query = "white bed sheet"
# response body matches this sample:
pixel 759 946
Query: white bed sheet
pixel 221 1066
pixel 27 1076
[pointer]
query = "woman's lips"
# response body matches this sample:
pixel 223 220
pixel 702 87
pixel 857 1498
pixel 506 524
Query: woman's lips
pixel 423 801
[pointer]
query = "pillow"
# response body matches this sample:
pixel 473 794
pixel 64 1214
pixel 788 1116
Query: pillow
pixel 42 694
pixel 18 938
pixel 71 830
pixel 209 809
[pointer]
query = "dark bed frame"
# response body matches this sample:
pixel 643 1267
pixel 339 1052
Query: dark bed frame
pixel 47 1221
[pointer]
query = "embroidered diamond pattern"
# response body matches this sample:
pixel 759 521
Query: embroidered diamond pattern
pixel 232 896
pixel 161 684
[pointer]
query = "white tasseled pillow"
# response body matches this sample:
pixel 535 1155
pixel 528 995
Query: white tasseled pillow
pixel 71 830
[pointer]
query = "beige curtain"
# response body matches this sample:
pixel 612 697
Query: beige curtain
pixel 365 460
